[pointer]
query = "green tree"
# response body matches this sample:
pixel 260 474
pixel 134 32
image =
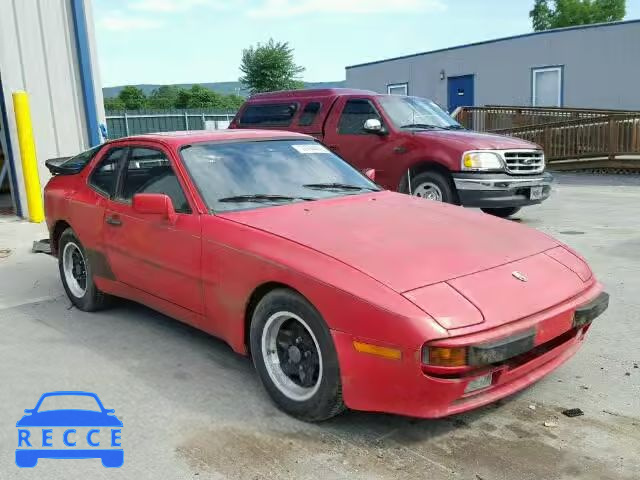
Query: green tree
pixel 232 102
pixel 133 98
pixel 163 97
pixel 113 104
pixel 202 97
pixel 182 100
pixel 198 97
pixel 270 67
pixel 547 14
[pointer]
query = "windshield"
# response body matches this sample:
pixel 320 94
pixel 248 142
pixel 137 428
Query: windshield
pixel 245 175
pixel 415 112
pixel 69 402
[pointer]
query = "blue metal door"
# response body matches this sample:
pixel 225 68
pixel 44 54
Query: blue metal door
pixel 460 92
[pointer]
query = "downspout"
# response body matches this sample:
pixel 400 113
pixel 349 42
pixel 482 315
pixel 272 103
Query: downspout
pixel 86 73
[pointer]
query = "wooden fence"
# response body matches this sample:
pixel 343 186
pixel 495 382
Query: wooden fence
pixel 492 117
pixel 571 138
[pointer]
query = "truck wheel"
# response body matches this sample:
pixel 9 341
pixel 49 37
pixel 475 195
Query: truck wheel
pixel 432 186
pixel 294 355
pixel 77 275
pixel 501 212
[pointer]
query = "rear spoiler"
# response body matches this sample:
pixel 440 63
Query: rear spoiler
pixel 56 166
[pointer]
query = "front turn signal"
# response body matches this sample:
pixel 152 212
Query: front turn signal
pixel 445 356
pixel 385 352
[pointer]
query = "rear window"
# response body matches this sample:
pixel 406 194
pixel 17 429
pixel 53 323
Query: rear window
pixel 269 115
pixel 81 160
pixel 309 114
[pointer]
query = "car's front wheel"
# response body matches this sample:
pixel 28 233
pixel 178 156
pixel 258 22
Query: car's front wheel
pixel 77 275
pixel 294 355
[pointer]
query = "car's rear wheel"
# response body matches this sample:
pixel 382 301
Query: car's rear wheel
pixel 432 185
pixel 501 212
pixel 76 274
pixel 295 357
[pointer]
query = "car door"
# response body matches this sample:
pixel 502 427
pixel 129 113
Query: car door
pixel 345 135
pixel 149 252
pixel 87 206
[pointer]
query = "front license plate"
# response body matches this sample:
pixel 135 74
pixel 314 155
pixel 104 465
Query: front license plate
pixel 479 383
pixel 536 193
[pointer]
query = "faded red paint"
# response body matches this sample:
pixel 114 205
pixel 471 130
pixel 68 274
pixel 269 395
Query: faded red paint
pixel 383 268
pixel 392 154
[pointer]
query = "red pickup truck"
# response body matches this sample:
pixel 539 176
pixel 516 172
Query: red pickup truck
pixel 412 144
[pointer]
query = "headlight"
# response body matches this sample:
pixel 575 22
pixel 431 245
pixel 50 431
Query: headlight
pixel 444 356
pixel 482 161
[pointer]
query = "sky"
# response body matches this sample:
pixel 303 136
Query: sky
pixel 192 41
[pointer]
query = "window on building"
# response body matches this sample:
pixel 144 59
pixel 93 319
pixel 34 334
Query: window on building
pixel 398 89
pixel 546 87
pixel 103 178
pixel 354 114
pixel 149 171
pixel 269 115
pixel 309 114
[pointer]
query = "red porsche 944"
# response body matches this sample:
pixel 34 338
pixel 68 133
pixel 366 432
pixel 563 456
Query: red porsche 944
pixel 344 295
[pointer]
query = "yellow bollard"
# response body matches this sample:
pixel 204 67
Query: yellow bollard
pixel 28 156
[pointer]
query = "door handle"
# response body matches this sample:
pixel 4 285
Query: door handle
pixel 114 220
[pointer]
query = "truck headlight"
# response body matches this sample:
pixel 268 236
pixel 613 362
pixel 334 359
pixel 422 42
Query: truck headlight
pixel 481 161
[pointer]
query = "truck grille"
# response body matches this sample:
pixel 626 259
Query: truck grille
pixel 521 162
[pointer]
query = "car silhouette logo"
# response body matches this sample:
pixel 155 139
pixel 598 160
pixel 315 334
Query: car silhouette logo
pixel 60 433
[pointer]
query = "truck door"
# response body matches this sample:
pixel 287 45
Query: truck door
pixel 345 135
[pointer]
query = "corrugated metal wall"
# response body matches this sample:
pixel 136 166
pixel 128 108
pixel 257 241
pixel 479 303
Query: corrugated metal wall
pixel 601 68
pixel 38 55
pixel 134 122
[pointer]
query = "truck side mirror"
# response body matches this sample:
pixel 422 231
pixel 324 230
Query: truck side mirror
pixel 373 125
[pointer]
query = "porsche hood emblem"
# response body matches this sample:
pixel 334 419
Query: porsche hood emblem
pixel 520 276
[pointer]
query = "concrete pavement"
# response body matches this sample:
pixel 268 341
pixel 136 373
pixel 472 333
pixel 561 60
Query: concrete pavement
pixel 192 408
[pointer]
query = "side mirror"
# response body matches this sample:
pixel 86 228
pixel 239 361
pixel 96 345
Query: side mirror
pixel 154 204
pixel 373 125
pixel 28 410
pixel 370 173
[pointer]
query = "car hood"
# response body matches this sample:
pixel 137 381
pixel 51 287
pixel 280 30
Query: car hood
pixel 465 140
pixel 69 418
pixel 403 242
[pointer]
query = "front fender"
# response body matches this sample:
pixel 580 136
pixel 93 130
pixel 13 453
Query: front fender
pixel 348 300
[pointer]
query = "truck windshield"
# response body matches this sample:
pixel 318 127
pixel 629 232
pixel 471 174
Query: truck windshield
pixel 245 175
pixel 418 113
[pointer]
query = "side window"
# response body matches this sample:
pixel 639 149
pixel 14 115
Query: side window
pixel 269 115
pixel 149 171
pixel 104 176
pixel 354 114
pixel 309 114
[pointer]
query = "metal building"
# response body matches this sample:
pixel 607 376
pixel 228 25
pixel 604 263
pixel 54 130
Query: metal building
pixel 592 66
pixel 47 48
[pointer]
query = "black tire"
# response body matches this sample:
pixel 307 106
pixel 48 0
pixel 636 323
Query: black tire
pixel 437 179
pixel 326 402
pixel 92 299
pixel 501 212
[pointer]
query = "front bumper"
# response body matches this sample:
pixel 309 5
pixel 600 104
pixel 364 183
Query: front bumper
pixel 500 190
pixel 403 386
